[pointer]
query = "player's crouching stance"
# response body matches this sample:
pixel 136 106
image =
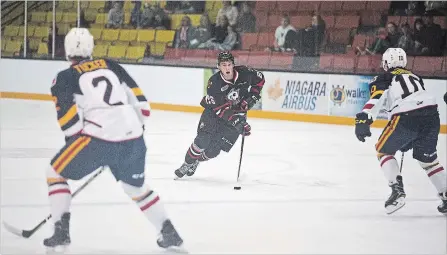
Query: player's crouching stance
pixel 231 93
pixel 101 111
pixel 414 123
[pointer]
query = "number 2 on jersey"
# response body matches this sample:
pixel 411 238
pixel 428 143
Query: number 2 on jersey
pixel 405 80
pixel 97 79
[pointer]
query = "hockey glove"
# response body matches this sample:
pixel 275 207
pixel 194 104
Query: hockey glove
pixel 240 124
pixel 362 126
pixel 250 101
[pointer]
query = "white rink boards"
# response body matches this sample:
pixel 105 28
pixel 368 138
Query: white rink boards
pixel 306 188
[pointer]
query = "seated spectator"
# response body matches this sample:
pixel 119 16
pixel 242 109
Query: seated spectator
pixel 280 36
pixel 147 16
pixel 379 46
pixel 203 32
pixel 228 44
pixel 135 15
pixel 229 11
pixel 59 50
pixel 433 37
pixel 116 16
pixel 82 21
pixel 161 19
pixel 184 34
pixel 393 34
pixel 220 33
pixel 185 6
pixel 246 20
pixel 406 41
pixel 418 36
pixel 309 40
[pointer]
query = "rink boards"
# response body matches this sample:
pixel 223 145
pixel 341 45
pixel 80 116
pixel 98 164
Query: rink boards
pixel 306 97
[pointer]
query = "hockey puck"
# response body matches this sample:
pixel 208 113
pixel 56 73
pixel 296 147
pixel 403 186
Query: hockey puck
pixel 237 188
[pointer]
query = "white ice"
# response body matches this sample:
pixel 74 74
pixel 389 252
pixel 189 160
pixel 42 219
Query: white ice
pixel 306 188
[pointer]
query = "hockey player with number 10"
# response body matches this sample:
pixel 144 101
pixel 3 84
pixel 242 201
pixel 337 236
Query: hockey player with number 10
pixel 231 93
pixel 101 111
pixel 414 124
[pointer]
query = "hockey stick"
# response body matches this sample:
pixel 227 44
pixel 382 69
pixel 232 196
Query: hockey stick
pixel 28 233
pixel 401 162
pixel 240 158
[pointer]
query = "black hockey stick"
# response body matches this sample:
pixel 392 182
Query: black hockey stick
pixel 240 158
pixel 28 233
pixel 401 162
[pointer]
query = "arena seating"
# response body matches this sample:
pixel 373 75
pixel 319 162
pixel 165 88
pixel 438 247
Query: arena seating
pixel 344 21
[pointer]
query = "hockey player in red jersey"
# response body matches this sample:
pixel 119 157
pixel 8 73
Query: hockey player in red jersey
pixel 413 124
pixel 101 111
pixel 231 92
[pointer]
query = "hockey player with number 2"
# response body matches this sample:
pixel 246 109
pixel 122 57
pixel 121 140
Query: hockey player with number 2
pixel 413 124
pixel 101 111
pixel 231 92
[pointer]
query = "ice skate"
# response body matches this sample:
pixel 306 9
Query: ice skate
pixel 61 237
pixel 397 197
pixel 169 238
pixel 188 169
pixel 442 208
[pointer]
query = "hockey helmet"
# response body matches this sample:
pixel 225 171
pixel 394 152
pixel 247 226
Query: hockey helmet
pixel 394 57
pixel 79 43
pixel 225 56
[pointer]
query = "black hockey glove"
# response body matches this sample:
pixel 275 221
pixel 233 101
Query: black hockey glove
pixel 362 126
pixel 250 101
pixel 240 124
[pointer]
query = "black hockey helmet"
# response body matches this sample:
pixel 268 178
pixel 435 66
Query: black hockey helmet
pixel 225 56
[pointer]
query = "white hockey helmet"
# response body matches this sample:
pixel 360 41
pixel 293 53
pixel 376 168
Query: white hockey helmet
pixel 79 43
pixel 394 57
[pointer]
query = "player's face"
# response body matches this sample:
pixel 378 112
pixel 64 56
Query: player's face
pixel 226 68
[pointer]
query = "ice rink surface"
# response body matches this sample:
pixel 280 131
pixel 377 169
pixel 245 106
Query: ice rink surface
pixel 306 188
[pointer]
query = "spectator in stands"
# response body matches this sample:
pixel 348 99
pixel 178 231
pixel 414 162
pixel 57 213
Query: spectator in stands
pixel 281 32
pixel 59 50
pixel 220 33
pixel 82 21
pixel 185 6
pixel 147 16
pixel 203 32
pixel 135 16
pixel 184 34
pixel 436 8
pixel 246 20
pixel 309 40
pixel 116 16
pixel 433 37
pixel 393 34
pixel 229 11
pixel 380 44
pixel 161 19
pixel 406 41
pixel 418 36
pixel 228 44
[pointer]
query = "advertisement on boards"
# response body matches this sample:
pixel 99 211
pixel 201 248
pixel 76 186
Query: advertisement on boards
pixel 210 72
pixel 296 92
pixel 348 94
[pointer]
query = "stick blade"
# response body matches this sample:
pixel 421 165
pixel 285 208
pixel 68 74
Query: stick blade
pixel 14 230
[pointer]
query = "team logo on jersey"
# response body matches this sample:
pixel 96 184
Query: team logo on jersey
pixel 233 95
pixel 338 94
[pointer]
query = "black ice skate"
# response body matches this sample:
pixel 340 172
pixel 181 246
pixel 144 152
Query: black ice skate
pixel 397 197
pixel 442 208
pixel 188 169
pixel 61 236
pixel 169 238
